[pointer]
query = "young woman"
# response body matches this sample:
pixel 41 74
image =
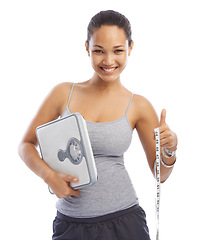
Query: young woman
pixel 109 209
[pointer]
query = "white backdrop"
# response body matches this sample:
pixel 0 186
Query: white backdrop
pixel 42 44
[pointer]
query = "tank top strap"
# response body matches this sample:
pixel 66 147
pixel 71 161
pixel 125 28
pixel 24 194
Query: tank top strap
pixel 70 94
pixel 129 103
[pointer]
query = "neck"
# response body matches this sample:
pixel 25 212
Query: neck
pixel 96 81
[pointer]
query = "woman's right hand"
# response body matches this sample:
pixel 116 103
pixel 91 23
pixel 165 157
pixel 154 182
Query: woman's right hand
pixel 59 184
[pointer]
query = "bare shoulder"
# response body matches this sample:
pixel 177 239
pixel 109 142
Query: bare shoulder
pixel 62 89
pixel 146 110
pixel 51 107
pixel 142 103
pixel 49 110
pixel 60 94
pixel 142 111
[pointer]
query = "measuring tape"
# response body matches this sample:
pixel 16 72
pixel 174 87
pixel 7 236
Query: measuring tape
pixel 157 177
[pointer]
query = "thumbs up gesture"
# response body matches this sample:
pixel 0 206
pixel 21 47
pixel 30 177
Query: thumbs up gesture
pixel 168 138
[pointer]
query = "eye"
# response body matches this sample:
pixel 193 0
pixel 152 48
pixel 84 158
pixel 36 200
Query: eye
pixel 119 51
pixel 98 51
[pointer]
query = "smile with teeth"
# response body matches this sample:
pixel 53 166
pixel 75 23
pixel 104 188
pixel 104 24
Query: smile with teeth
pixel 108 69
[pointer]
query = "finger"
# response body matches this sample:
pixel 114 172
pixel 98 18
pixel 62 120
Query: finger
pixel 76 192
pixel 69 191
pixel 163 117
pixel 73 192
pixel 163 128
pixel 165 134
pixel 69 179
pixel 74 180
pixel 166 142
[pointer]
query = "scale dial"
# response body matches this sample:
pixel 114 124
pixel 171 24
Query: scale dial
pixel 75 151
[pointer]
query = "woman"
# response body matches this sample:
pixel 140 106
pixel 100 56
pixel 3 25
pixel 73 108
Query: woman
pixel 109 209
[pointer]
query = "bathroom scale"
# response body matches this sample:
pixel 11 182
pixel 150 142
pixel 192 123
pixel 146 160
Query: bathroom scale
pixel 65 147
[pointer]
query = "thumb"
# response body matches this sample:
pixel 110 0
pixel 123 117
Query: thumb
pixel 163 117
pixel 69 178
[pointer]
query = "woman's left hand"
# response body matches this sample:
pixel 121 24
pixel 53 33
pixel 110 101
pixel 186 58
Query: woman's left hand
pixel 168 138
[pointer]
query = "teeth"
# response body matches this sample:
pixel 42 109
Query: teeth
pixel 109 70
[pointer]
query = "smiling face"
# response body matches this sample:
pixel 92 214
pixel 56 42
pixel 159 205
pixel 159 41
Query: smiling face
pixel 109 50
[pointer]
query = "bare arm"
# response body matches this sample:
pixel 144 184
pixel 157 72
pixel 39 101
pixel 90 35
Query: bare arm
pixel 145 125
pixel 49 110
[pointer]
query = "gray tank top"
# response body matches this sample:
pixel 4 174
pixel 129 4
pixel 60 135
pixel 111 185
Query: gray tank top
pixel 114 190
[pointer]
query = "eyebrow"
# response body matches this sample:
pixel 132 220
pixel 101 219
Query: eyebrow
pixel 118 46
pixel 98 46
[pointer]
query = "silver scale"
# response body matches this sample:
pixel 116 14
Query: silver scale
pixel 52 138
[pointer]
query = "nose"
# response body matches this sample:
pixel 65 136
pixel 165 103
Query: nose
pixel 108 59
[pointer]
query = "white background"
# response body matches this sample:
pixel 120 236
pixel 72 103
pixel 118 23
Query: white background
pixel 42 44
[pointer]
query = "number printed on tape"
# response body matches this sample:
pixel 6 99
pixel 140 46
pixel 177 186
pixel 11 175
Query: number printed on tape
pixel 157 177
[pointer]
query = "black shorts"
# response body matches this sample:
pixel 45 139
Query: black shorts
pixel 129 224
